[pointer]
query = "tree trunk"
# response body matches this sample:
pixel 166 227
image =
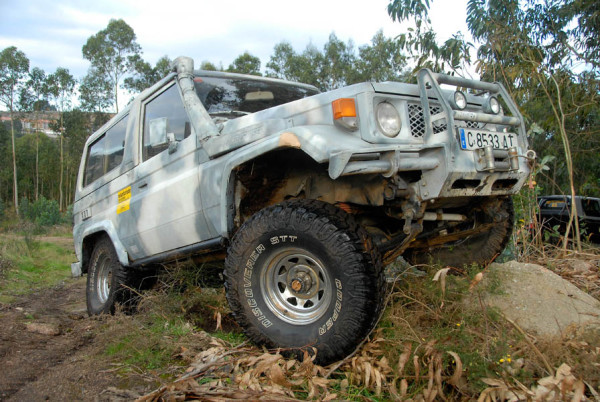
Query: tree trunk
pixel 117 95
pixel 37 164
pixel 60 183
pixel 14 158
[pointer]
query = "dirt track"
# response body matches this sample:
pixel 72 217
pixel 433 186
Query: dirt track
pixel 46 339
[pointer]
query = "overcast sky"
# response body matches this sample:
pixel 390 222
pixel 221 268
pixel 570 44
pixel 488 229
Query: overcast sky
pixel 51 33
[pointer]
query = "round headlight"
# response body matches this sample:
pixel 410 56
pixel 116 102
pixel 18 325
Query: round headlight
pixel 493 105
pixel 388 119
pixel 460 100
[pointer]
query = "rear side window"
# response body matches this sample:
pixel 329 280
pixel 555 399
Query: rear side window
pixel 106 153
pixel 167 111
pixel 94 166
pixel 555 204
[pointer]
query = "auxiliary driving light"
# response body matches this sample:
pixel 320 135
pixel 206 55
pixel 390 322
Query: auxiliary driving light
pixel 459 100
pixel 492 105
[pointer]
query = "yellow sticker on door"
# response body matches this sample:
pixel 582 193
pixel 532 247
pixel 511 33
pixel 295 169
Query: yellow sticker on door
pixel 124 198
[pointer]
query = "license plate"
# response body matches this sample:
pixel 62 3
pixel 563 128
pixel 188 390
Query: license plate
pixel 477 139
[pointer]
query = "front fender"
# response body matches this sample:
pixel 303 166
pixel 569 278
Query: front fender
pixel 315 141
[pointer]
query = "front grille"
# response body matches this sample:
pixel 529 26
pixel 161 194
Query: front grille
pixel 475 124
pixel 417 121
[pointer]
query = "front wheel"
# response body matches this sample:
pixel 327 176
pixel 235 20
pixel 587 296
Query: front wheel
pixel 303 274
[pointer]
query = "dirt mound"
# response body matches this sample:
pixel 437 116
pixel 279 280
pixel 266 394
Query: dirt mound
pixel 539 300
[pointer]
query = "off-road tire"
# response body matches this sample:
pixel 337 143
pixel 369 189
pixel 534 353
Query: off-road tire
pixel 305 239
pixel 108 282
pixel 481 248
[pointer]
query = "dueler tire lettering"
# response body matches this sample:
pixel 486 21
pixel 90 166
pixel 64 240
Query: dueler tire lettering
pixel 304 274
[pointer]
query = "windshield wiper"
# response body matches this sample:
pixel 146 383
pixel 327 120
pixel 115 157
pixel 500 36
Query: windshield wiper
pixel 229 112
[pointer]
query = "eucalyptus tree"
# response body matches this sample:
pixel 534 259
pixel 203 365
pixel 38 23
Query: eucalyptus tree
pixel 60 87
pixel 34 97
pixel 14 66
pixel 112 53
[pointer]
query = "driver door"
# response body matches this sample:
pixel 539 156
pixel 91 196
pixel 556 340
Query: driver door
pixel 165 201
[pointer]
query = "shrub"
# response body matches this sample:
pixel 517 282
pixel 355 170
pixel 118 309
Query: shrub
pixel 25 209
pixel 42 212
pixel 68 215
pixel 47 212
pixel 1 209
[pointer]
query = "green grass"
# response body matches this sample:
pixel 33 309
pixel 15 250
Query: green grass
pixel 233 338
pixel 148 347
pixel 30 265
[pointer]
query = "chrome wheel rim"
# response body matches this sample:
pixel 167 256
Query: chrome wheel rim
pixel 296 286
pixel 104 280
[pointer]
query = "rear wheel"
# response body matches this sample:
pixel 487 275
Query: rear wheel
pixel 491 223
pixel 303 274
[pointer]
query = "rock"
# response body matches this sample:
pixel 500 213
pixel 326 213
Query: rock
pixel 43 328
pixel 538 300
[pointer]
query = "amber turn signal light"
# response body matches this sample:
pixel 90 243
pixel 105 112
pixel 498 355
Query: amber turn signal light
pixel 343 107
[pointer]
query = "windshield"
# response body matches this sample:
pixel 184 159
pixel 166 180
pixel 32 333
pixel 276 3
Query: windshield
pixel 231 97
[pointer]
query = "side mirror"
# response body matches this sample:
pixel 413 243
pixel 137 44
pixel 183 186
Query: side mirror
pixel 158 132
pixel 159 138
pixel 172 142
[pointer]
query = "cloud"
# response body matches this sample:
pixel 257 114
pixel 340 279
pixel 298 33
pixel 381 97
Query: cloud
pixel 52 34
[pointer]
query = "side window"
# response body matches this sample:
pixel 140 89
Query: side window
pixel 94 165
pixel 164 114
pixel 115 144
pixel 591 207
pixel 106 153
pixel 556 204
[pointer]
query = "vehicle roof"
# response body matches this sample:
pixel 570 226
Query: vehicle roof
pixel 562 197
pixel 223 74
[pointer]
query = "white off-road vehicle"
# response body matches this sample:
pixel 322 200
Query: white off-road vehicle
pixel 306 195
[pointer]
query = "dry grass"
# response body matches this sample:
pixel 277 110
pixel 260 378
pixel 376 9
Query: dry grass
pixel 430 345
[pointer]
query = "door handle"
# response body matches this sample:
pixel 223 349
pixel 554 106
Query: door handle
pixel 143 184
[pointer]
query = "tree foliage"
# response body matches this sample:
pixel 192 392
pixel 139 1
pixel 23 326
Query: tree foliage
pixel 95 93
pixel 338 64
pixel 546 53
pixel 420 42
pixel 60 86
pixel 144 75
pixel 113 53
pixel 245 64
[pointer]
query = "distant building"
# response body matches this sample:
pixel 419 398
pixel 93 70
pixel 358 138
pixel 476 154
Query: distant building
pixel 32 122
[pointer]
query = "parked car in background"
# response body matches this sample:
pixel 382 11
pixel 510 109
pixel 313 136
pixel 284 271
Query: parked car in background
pixel 555 211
